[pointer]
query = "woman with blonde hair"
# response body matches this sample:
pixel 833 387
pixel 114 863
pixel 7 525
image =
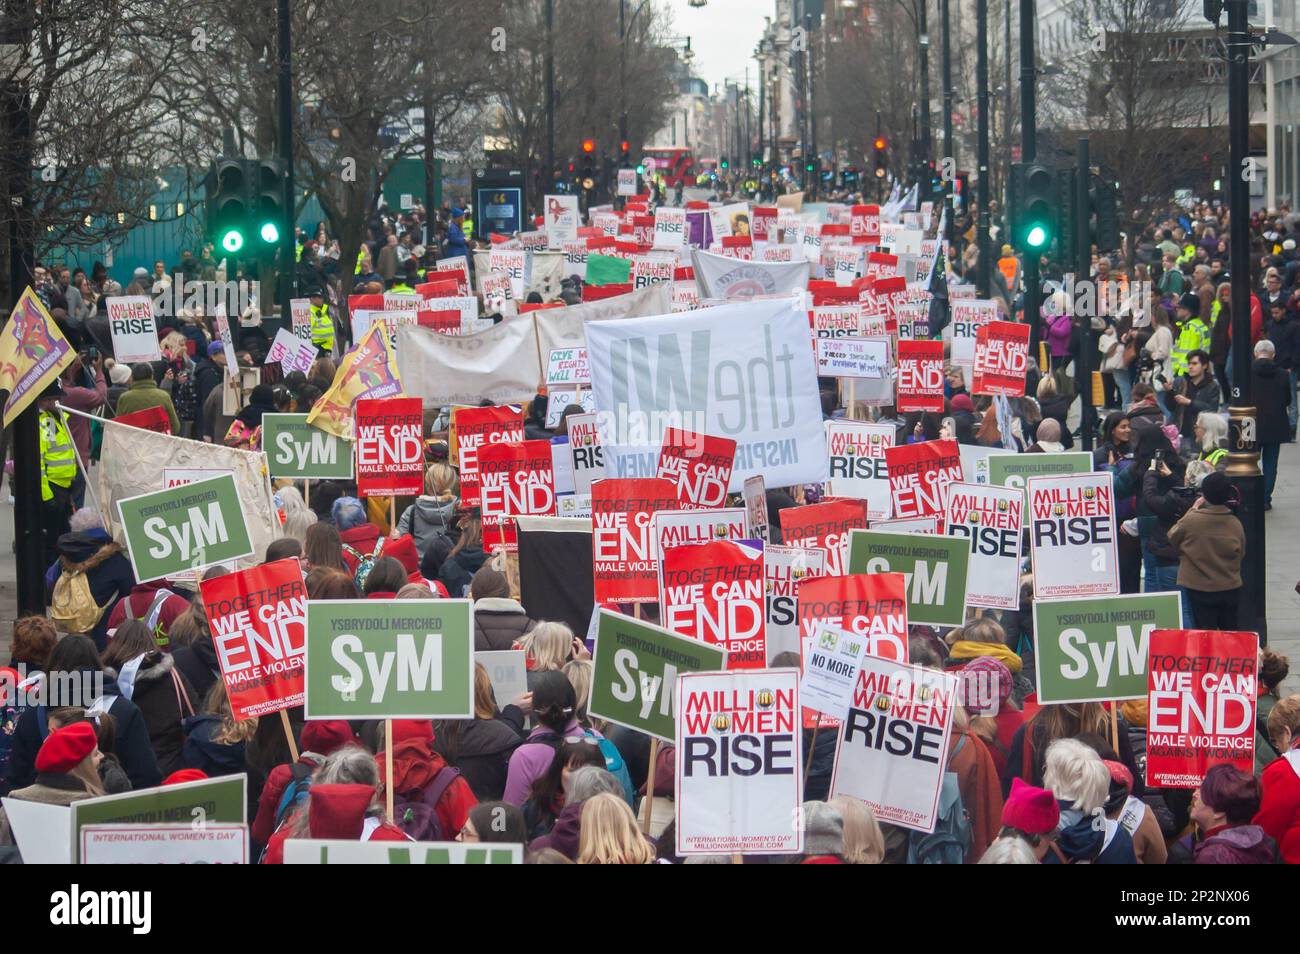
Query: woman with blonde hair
pixel 67 770
pixel 610 834
pixel 1080 780
pixel 864 843
pixel 1279 811
pixel 550 647
pixel 298 517
pixel 214 741
pixel 579 673
pixel 432 513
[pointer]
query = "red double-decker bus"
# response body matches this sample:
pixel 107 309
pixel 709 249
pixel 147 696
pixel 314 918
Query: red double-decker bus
pixel 673 165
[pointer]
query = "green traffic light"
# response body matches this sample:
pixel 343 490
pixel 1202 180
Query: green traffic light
pixel 232 241
pixel 640 170
pixel 270 233
pixel 1036 237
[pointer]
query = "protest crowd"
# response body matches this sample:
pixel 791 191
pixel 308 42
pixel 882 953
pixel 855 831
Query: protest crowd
pixel 730 531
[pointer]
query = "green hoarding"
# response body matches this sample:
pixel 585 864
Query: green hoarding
pixel 188 527
pixel 935 568
pixel 298 451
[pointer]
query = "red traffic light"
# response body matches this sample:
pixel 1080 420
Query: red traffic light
pixel 880 144
pixel 625 146
pixel 589 145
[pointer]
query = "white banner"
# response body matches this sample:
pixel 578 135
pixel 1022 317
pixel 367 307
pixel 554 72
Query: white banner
pixel 719 276
pixel 1072 535
pixel 856 454
pixel 783 569
pixel 741 371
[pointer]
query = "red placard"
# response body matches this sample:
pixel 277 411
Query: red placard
pixel 149 418
pixel 700 466
pixel 601 292
pixel 824 526
pixel 918 474
pixel 474 428
pixel 258 619
pixel 390 453
pixel 714 592
pixel 762 222
pixel 1001 359
pixel 624 562
pixel 873 605
pixel 446 322
pixel 1201 701
pixel 864 222
pixel 448 287
pixel 516 479
pixel 920 376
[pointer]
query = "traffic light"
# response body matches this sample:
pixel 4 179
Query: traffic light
pixel 723 163
pixel 1033 206
pixel 268 205
pixel 1066 239
pixel 756 162
pixel 226 200
pixel 880 147
pixel 589 146
pixel 1104 196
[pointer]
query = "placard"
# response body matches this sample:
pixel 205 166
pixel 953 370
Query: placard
pixel 831 668
pixel 936 569
pixel 133 328
pixel 506 670
pixel 222 800
pixel 472 429
pixel 784 569
pixel 1072 535
pixel 700 466
pixel 330 851
pixel 918 474
pixel 920 376
pixel 755 497
pixel 1001 359
pixel 714 592
pixel 297 451
pixel 584 446
pixel 967 318
pixel 1013 470
pixel 516 479
pixel 872 605
pixel 856 457
pixel 186 844
pixel 390 452
pixel 988 518
pixel 188 527
pixel 825 526
pixel 625 560
pixel 567 367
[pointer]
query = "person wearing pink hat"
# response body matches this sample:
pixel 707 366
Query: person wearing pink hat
pixel 67 770
pixel 1030 815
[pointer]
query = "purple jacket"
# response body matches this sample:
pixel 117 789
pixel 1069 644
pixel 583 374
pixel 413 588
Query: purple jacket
pixel 1058 334
pixel 565 835
pixel 532 759
pixel 1242 845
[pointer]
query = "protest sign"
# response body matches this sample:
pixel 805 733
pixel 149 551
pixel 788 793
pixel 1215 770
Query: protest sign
pixel 1072 535
pixel 831 667
pixel 935 567
pixel 918 474
pixel 584 446
pixel 836 321
pixel 258 618
pixel 298 451
pixel 739 784
pixel 499 295
pixel 512 262
pixel 975 465
pixel 506 671
pixel 33 352
pixel 967 318
pixel 188 527
pixel 863 362
pixel 1001 359
pixel 670 227
pixel 390 659
pixel 390 453
pixel 675 528
pixel 626 182
pixel 474 428
pixel 1095 649
pixel 227 341
pixel 714 592
pixel 41 832
pixel 560 398
pixel 872 605
pixel 331 851
pixel 856 453
pixel 920 376
pixel 893 749
pixel 516 479
pixel 651 270
pixel 825 526
pixel 634 670
pixel 754 494
pixel 150 419
pixel 222 800
pixel 567 368
pixel 699 464
pixel 625 560
pixel 1013 470
pixel 562 220
pixel 133 329
pixel 784 568
pixel 300 317
pixel 989 519
pixel 367 371
pixel 928 524
pixel 1201 703
pixel 183 844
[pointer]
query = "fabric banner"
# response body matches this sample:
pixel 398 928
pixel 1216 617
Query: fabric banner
pixel 634 670
pixel 367 371
pixel 625 561
pixel 739 781
pixel 721 276
pixel 920 376
pixel 784 568
pixel 544 273
pixel 700 466
pixel 549 549
pixel 893 749
pixel 825 526
pixel 389 659
pixel 1072 535
pixel 1096 649
pixel 474 428
pixel 919 474
pixel 936 569
pixel 697 370
pixel 1001 359
pixel 390 453
pixel 989 519
pixel 714 592
pixel 856 455
pixel 516 479
pixel 504 364
pixel 1201 704
pixel 258 619
pixel 33 352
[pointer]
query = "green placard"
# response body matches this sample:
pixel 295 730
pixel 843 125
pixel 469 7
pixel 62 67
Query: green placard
pixel 1013 470
pixel 189 527
pixel 331 852
pixel 221 800
pixel 608 270
pixel 390 659
pixel 298 451
pixel 935 568
pixel 634 673
pixel 1091 650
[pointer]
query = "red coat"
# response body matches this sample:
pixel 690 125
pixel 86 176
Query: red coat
pixel 415 765
pixel 140 599
pixel 363 539
pixel 1279 812
pixel 336 811
pixel 269 801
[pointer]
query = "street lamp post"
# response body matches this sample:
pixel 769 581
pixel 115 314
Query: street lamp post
pixel 1028 152
pixel 950 175
pixel 982 146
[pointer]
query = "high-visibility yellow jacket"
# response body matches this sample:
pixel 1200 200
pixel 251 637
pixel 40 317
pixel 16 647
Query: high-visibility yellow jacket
pixel 1193 336
pixel 322 327
pixel 58 459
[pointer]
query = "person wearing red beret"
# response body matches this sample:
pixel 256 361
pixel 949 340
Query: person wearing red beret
pixel 67 770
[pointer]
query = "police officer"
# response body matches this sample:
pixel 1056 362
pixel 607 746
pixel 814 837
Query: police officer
pixel 322 322
pixel 58 469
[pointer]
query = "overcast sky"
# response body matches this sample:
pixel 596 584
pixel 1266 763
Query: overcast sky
pixel 723 36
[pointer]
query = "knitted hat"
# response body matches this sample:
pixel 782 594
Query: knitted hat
pixel 1216 488
pixel 419 729
pixel 120 374
pixel 1030 809
pixel 65 748
pixel 215 348
pixel 986 683
pixel 328 736
pixel 823 829
pixel 962 402
pixel 185 775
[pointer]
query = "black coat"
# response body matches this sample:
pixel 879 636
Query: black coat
pixel 497 624
pixel 481 749
pixel 1168 500
pixel 197 662
pixel 207 375
pixel 109 581
pixel 203 751
pixel 162 707
pixel 458 570
pixel 1271 391
pixel 1285 335
pixel 1057 408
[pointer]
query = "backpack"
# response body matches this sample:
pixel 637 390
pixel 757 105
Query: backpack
pixel 152 615
pixel 72 608
pixel 419 818
pixel 950 842
pixel 292 798
pixel 364 563
pixel 614 763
